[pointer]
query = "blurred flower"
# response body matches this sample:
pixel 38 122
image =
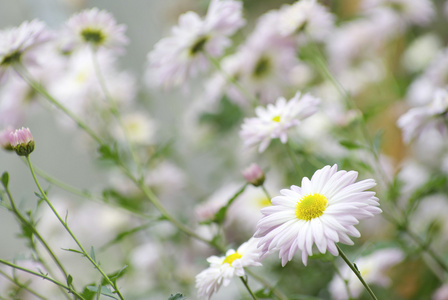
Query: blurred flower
pixel 17 44
pixel 275 120
pixel 139 128
pixel 420 119
pixel 441 293
pixel 373 269
pixel 184 54
pixel 223 269
pixel 4 138
pixel 207 209
pixel 305 16
pixel 22 141
pixel 323 212
pixel 421 51
pixel 254 175
pixel 97 28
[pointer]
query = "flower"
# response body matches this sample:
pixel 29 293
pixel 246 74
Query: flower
pixel 254 175
pixel 97 28
pixel 420 119
pixel 17 44
pixel 322 212
pixel 183 54
pixel 275 120
pixel 373 269
pixel 223 268
pixel 22 141
pixel 4 138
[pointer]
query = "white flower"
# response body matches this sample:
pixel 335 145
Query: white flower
pixel 275 120
pixel 420 119
pixel 442 292
pixel 223 269
pixel 17 44
pixel 305 16
pixel 97 28
pixel 373 269
pixel 183 54
pixel 322 212
pixel 138 127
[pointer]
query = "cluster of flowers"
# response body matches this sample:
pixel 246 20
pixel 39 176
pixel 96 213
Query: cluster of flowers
pixel 293 49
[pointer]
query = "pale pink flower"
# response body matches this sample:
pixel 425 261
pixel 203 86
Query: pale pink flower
pixel 22 141
pixel 442 292
pixel 275 120
pixel 254 174
pixel 322 212
pixel 4 138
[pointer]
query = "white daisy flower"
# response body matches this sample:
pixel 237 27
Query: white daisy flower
pixel 17 44
pixel 373 269
pixel 223 269
pixel 97 28
pixel 182 54
pixel 420 119
pixel 305 16
pixel 275 120
pixel 322 212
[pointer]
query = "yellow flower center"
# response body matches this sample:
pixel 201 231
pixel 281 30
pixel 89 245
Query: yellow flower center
pixel 264 202
pixel 311 206
pixel 276 119
pixel 231 258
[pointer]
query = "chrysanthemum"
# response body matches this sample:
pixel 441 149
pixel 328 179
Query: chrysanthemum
pixel 183 54
pixel 322 212
pixel 223 269
pixel 17 42
pixel 373 269
pixel 97 28
pixel 420 119
pixel 275 120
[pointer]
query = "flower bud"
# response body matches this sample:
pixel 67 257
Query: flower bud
pixel 254 175
pixel 22 141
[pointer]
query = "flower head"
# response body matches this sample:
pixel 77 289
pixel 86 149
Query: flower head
pixel 4 138
pixel 97 28
pixel 22 141
pixel 254 175
pixel 223 269
pixel 322 212
pixel 18 42
pixel 275 120
pixel 183 54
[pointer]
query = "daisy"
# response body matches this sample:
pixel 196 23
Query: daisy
pixel 183 54
pixel 18 44
pixel 275 120
pixel 223 269
pixel 322 212
pixel 420 119
pixel 97 28
pixel 373 269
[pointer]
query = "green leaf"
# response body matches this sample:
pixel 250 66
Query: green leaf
pixel 5 179
pixel 351 145
pixel 69 280
pixel 107 153
pixel 92 254
pixel 377 139
pixel 263 293
pixel 104 291
pixel 177 296
pixel 73 250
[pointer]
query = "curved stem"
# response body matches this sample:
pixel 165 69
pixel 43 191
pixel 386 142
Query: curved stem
pixel 70 232
pixel 355 270
pixel 71 290
pixel 23 286
pixel 265 191
pixel 244 280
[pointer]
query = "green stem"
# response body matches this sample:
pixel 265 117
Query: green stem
pixel 264 282
pixel 17 267
pixel 297 168
pixel 23 286
pixel 266 192
pixel 355 270
pixel 37 87
pixel 69 230
pixel 244 280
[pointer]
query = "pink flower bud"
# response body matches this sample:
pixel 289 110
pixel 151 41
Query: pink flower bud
pixel 4 138
pixel 254 175
pixel 22 141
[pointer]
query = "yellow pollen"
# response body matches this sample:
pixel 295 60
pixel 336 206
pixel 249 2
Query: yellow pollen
pixel 276 119
pixel 311 206
pixel 231 258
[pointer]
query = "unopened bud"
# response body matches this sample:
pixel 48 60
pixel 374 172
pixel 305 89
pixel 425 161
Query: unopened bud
pixel 22 141
pixel 254 175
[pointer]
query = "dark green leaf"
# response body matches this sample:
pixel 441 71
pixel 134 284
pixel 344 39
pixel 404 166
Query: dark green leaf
pixel 351 145
pixel 177 296
pixel 69 280
pixel 263 293
pixel 5 179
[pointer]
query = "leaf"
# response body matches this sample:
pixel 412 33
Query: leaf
pixel 92 254
pixel 107 153
pixel 69 280
pixel 75 251
pixel 351 145
pixel 104 290
pixel 377 139
pixel 5 179
pixel 177 296
pixel 263 293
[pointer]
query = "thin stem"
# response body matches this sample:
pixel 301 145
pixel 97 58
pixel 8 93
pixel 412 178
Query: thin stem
pixel 37 87
pixel 244 280
pixel 69 230
pixel 297 168
pixel 264 282
pixel 253 101
pixel 23 286
pixel 266 192
pixel 355 270
pixel 17 267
